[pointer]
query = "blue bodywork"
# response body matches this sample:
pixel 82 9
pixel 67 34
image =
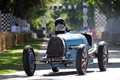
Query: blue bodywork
pixel 68 49
pixel 72 39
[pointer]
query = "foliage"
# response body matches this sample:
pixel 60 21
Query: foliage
pixel 11 59
pixel 71 21
pixel 32 10
pixel 29 10
pixel 74 17
pixel 109 7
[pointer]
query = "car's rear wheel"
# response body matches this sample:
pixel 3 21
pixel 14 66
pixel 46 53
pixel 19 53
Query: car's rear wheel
pixel 28 59
pixel 82 59
pixel 55 69
pixel 102 56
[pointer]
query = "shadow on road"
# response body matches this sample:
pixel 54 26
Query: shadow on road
pixel 12 76
pixel 71 72
pixel 94 65
pixel 64 73
pixel 110 65
pixel 114 52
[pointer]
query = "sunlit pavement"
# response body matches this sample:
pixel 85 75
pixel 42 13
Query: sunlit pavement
pixel 43 71
pixel 66 74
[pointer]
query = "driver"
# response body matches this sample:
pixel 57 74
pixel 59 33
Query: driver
pixel 60 26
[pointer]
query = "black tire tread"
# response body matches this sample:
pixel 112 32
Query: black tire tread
pixel 25 60
pixel 100 56
pixel 55 69
pixel 79 60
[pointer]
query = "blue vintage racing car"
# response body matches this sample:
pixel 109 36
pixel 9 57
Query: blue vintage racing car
pixel 68 49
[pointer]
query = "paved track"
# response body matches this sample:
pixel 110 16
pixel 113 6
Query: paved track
pixel 44 72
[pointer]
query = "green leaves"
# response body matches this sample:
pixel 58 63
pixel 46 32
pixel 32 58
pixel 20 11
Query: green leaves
pixel 109 7
pixel 29 10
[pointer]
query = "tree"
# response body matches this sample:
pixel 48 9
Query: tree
pixel 5 6
pixel 26 8
pixel 74 17
pixel 71 21
pixel 29 10
pixel 108 7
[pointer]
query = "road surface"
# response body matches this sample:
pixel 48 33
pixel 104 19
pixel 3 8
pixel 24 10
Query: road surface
pixel 44 72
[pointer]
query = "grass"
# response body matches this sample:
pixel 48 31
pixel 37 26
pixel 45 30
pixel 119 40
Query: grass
pixel 11 59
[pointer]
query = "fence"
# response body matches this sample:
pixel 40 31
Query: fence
pixel 112 32
pixel 8 38
pixel 7 20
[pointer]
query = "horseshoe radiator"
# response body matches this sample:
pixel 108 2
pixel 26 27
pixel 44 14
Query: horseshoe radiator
pixel 56 47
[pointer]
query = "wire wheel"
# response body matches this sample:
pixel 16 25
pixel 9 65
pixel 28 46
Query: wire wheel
pixel 82 60
pixel 102 56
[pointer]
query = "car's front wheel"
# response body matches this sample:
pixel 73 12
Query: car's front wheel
pixel 28 59
pixel 82 59
pixel 102 56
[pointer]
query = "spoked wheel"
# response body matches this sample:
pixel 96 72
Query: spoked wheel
pixel 28 58
pixel 55 69
pixel 102 56
pixel 82 60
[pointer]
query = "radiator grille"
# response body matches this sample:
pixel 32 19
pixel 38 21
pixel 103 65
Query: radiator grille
pixel 55 47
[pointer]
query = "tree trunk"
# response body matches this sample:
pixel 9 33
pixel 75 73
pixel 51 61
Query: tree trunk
pixel 5 6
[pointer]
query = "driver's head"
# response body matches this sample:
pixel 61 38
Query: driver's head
pixel 60 26
pixel 60 21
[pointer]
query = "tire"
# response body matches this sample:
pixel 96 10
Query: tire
pixel 28 59
pixel 82 59
pixel 102 56
pixel 55 69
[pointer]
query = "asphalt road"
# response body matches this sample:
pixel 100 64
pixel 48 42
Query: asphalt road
pixel 43 71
